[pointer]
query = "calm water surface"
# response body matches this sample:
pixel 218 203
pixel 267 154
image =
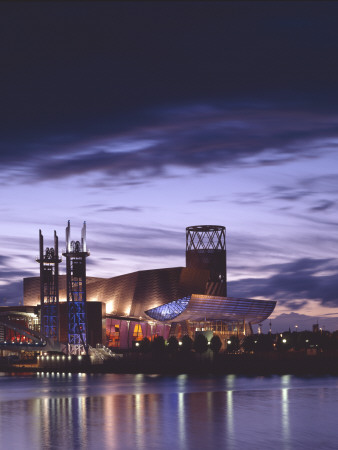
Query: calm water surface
pixel 156 412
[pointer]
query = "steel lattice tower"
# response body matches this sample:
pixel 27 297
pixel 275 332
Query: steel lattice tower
pixel 205 249
pixel 76 254
pixel 49 289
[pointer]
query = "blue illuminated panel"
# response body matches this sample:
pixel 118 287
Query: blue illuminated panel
pixel 169 311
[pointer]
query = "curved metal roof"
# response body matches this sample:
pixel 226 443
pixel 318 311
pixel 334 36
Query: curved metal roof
pixel 206 307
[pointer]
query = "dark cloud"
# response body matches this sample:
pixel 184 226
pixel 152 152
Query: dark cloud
pixel 323 205
pixel 317 220
pixel 4 260
pixel 121 208
pixel 293 283
pixel 145 242
pixel 325 183
pixel 289 193
pixel 11 293
pixel 201 140
pixel 207 200
pixel 118 69
pixel 10 273
pixel 301 193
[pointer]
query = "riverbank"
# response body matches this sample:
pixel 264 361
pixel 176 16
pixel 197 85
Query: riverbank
pixel 296 363
pixel 241 364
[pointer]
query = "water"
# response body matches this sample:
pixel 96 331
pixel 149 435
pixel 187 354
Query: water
pixel 157 412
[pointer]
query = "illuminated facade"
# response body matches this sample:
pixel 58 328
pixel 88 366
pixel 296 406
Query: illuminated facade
pixel 171 301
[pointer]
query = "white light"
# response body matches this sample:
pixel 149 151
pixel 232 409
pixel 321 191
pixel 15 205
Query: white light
pixel 180 343
pixel 229 342
pixel 109 307
pixel 137 344
pixel 284 341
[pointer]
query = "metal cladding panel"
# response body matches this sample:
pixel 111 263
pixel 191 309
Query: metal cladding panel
pixel 31 289
pixel 193 280
pixel 214 260
pixel 132 294
pixel 205 307
pixel 155 287
pixel 118 291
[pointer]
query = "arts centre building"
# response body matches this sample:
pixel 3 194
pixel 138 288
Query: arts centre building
pixel 122 310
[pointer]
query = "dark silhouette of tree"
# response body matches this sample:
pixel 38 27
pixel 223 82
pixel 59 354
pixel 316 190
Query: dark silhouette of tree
pixel 158 345
pixel 200 343
pixel 187 343
pixel 172 345
pixel 249 343
pixel 233 344
pixel 264 343
pixel 145 345
pixel 334 340
pixel 324 343
pixel 215 344
pixel 284 342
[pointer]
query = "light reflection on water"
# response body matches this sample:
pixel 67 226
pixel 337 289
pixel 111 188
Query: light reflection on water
pixel 157 412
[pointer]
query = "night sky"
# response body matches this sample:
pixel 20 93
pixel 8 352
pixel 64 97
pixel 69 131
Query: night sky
pixel 145 118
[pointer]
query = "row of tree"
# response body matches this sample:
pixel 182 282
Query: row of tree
pixel 200 344
pixel 255 343
pixel 287 341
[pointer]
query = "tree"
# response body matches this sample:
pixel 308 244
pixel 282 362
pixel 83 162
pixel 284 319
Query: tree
pixel 145 345
pixel 215 344
pixel 172 344
pixel 200 343
pixel 158 345
pixel 249 343
pixel 233 344
pixel 284 342
pixel 264 343
pixel 187 343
